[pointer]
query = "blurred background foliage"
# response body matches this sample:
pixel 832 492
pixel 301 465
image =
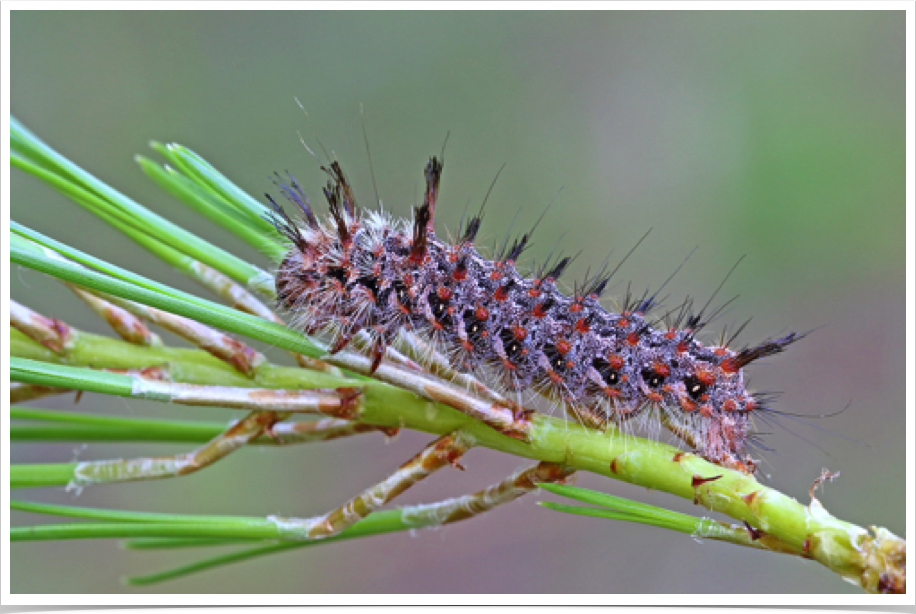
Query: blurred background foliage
pixel 779 135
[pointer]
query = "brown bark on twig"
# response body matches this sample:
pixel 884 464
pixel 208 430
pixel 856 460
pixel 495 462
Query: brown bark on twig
pixel 445 450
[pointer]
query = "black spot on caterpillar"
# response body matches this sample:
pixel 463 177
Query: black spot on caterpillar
pixel 365 271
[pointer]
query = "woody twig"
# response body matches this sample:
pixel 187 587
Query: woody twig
pixel 468 506
pixel 19 392
pixel 241 356
pixel 51 333
pixel 445 450
pixel 339 402
pixel 324 429
pixel 128 326
pixel 242 432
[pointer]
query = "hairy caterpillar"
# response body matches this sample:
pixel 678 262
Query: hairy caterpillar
pixel 364 271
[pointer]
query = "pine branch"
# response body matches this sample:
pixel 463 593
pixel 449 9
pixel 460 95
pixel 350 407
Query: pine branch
pixel 49 355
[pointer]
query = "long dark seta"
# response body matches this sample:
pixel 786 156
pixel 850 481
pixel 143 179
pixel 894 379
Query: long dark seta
pixel 624 259
pixel 524 242
pixel 653 301
pixel 647 304
pixel 489 191
pixel 697 322
pixel 665 319
pixel 736 334
pixel 765 398
pixel 537 270
pixel 683 315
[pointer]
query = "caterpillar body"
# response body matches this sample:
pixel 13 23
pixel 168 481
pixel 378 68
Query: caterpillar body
pixel 365 271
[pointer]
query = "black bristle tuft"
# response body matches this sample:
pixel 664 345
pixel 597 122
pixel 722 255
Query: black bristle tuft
pixel 293 193
pixel 518 246
pixel 341 187
pixel 433 174
pixel 284 224
pixel 600 286
pixel 646 305
pixel 420 233
pixel 470 233
pixel 762 350
pixel 558 268
pixel 332 192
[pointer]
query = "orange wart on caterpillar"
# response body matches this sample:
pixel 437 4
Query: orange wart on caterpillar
pixel 364 274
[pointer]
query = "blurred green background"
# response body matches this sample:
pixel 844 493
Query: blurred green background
pixel 779 135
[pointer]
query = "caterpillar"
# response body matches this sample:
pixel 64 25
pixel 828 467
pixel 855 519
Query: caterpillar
pixel 361 270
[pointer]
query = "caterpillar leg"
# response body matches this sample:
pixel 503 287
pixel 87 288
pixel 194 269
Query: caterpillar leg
pixel 444 451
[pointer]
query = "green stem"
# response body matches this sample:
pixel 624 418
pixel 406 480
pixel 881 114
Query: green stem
pixel 219 561
pixel 169 543
pixel 46 374
pixel 57 425
pixel 259 529
pixel 37 475
pixel 91 513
